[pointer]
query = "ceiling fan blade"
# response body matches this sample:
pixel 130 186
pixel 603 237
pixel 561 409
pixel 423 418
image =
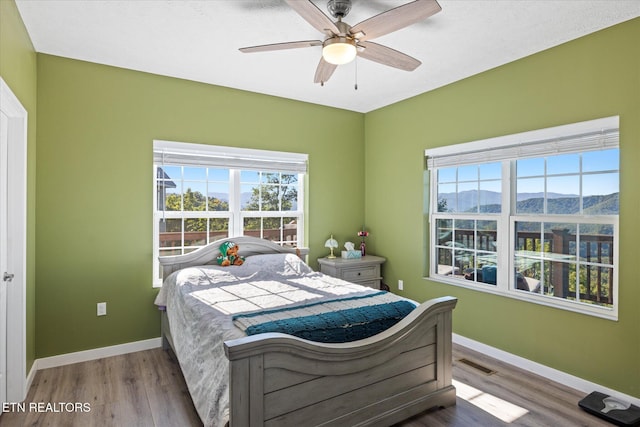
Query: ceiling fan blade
pixel 314 16
pixel 387 56
pixel 280 46
pixel 395 19
pixel 324 71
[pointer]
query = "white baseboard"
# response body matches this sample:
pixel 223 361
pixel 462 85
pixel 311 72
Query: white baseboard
pixel 96 353
pixel 542 370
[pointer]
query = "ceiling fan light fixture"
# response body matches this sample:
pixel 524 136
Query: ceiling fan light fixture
pixel 339 50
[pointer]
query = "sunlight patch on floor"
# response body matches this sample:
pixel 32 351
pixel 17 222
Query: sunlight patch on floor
pixel 499 408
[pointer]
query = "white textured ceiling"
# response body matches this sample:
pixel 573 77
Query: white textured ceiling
pixel 199 40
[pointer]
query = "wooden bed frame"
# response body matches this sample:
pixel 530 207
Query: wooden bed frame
pixel 280 380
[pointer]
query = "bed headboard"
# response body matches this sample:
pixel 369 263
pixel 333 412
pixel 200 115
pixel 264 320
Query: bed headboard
pixel 208 254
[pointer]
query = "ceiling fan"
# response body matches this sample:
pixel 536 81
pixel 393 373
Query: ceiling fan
pixel 343 41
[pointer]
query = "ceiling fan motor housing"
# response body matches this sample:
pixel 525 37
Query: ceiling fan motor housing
pixel 339 8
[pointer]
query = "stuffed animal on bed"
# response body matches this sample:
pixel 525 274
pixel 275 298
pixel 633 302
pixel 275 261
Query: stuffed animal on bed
pixel 229 255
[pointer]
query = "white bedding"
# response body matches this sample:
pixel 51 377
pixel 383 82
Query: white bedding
pixel 200 303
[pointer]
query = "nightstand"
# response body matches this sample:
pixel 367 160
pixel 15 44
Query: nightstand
pixel 363 271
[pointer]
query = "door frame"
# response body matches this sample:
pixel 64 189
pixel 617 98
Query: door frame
pixel 17 256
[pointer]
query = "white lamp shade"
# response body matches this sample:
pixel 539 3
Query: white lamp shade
pixel 339 51
pixel 331 243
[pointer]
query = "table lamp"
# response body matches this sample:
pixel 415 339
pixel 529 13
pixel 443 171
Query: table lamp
pixel 331 243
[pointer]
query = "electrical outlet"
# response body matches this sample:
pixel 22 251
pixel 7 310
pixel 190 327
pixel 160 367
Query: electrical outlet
pixel 102 309
pixel 400 285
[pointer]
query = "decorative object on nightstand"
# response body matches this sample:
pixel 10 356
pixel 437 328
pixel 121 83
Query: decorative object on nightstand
pixel 351 252
pixel 331 243
pixel 363 271
pixel 363 248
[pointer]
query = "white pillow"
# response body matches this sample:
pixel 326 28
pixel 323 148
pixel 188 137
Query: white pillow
pixel 286 264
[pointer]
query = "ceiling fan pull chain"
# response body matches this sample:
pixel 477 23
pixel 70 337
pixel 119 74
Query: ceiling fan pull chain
pixel 355 87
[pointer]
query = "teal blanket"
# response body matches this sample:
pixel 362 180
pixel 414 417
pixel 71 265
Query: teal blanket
pixel 339 326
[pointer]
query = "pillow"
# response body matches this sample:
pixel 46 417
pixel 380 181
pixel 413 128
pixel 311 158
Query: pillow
pixel 286 264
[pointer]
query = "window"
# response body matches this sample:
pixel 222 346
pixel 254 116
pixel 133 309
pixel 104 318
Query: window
pixel 532 216
pixel 204 193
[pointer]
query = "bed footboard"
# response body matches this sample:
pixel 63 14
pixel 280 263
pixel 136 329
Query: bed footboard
pixel 280 380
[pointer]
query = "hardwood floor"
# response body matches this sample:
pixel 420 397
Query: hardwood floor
pixel 147 389
pixel 137 389
pixel 507 397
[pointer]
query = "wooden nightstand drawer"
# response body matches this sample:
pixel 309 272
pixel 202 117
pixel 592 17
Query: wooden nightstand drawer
pixel 361 273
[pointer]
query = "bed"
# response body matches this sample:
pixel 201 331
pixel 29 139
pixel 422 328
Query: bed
pixel 260 378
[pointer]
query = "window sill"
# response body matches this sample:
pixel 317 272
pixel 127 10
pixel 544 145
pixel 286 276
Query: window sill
pixel 576 307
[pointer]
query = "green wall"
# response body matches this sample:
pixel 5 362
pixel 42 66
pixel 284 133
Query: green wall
pixel 94 217
pixel 18 69
pixel 592 77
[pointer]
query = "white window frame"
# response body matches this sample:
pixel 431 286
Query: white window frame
pixel 234 159
pixel 580 137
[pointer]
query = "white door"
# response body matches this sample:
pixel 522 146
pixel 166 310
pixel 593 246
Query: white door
pixel 5 275
pixel 13 244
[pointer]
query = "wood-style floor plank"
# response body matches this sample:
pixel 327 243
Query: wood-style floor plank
pixel 147 389
pixel 509 396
